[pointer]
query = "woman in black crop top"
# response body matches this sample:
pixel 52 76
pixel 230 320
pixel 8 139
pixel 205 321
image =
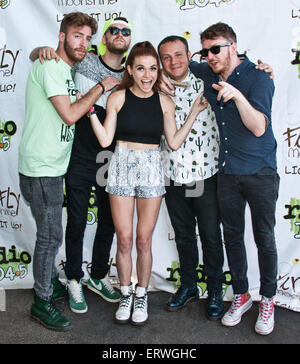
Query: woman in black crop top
pixel 137 116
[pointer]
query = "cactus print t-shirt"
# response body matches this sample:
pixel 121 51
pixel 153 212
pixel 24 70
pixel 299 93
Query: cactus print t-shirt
pixel 197 157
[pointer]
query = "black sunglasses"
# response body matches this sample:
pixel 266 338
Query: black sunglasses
pixel 115 30
pixel 214 49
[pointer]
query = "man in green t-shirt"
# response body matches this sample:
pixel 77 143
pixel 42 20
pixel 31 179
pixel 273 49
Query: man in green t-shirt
pixel 44 152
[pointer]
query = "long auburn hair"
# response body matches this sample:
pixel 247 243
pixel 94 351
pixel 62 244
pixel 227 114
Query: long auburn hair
pixel 140 49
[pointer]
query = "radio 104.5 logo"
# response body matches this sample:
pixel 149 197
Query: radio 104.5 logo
pixel 7 130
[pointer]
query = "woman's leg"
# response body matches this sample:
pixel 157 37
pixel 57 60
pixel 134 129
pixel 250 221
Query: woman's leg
pixel 122 209
pixel 147 212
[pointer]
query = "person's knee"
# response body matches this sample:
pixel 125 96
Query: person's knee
pixel 124 242
pixel 143 242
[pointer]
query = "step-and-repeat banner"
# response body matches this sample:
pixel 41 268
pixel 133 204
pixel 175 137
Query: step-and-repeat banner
pixel 267 30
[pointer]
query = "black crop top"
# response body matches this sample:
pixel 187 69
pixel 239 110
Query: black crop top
pixel 140 120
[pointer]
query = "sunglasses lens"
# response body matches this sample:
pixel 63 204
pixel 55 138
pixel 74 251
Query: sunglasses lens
pixel 114 30
pixel 215 49
pixel 125 31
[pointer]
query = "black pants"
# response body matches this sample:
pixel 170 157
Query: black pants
pixel 80 178
pixel 184 212
pixel 260 191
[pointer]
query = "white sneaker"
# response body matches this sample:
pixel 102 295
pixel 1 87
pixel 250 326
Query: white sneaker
pixel 123 313
pixel 76 297
pixel 241 303
pixel 265 321
pixel 104 289
pixel 140 307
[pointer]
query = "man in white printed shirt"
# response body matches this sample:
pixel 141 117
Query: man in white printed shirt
pixel 194 163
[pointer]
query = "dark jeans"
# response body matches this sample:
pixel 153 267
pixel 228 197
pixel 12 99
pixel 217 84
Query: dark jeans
pixel 184 212
pixel 80 178
pixel 260 192
pixel 45 197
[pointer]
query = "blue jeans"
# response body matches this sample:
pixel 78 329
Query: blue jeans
pixel 45 197
pixel 260 191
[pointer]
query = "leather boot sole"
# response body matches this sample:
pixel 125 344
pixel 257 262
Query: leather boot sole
pixel 64 328
pixel 177 308
pixel 214 318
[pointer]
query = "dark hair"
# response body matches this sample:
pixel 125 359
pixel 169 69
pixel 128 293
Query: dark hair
pixel 139 49
pixel 78 19
pixel 121 18
pixel 219 30
pixel 174 38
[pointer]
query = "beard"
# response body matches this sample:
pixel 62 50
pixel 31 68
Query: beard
pixel 116 48
pixel 72 52
pixel 223 66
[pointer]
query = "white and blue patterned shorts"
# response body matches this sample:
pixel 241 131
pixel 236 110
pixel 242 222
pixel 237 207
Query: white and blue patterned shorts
pixel 136 173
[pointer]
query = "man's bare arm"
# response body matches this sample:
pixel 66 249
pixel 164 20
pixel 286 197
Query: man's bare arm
pixel 71 112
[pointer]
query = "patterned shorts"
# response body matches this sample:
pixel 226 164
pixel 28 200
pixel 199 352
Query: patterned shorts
pixel 136 173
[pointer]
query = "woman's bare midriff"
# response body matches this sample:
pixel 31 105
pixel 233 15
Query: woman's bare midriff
pixel 135 146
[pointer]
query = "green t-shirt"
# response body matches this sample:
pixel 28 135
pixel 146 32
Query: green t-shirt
pixel 46 142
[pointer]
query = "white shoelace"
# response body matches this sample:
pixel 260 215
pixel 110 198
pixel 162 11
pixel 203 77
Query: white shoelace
pixel 76 291
pixel 108 285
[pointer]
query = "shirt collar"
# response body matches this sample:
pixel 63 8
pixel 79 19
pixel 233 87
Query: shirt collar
pixel 241 67
pixel 189 78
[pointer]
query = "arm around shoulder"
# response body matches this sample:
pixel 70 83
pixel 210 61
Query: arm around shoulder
pixel 71 112
pixel 197 68
pixel 43 53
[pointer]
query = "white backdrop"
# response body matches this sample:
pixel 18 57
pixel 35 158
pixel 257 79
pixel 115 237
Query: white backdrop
pixel 269 30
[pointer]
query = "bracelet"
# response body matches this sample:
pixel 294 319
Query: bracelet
pixel 91 112
pixel 103 88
